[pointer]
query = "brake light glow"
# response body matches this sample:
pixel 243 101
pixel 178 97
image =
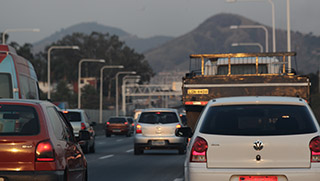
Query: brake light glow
pixel 199 150
pixel 44 152
pixel 314 146
pixel 108 123
pixel 178 126
pixel 125 123
pixel 83 126
pixel 138 129
pixel 201 103
pixel 65 112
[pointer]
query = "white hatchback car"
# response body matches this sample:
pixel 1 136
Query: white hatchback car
pixel 254 139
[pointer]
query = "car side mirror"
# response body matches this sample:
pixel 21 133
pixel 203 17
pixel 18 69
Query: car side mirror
pixel 184 132
pixel 84 135
pixel 93 123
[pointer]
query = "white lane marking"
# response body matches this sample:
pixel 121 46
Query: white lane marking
pixel 128 151
pixel 107 156
pixel 120 140
pixel 178 179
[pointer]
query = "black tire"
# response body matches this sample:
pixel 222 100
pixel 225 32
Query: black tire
pixel 138 151
pixel 108 134
pixel 128 134
pixel 85 178
pixel 92 148
pixel 182 150
pixel 85 148
pixel 66 175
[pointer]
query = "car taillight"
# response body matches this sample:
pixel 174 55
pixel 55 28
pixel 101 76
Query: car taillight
pixel 44 152
pixel 83 126
pixel 199 150
pixel 138 129
pixel 125 123
pixel 314 146
pixel 132 124
pixel 178 126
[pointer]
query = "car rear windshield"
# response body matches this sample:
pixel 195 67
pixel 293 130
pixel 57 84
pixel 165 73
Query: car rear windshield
pixel 259 120
pixel 18 120
pixel 73 116
pixel 158 117
pixel 117 120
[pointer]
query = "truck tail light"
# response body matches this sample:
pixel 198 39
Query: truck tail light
pixel 199 150
pixel 44 152
pixel 83 126
pixel 138 129
pixel 314 146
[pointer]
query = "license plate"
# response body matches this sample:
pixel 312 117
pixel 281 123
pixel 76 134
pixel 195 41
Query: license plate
pixel 258 178
pixel 198 91
pixel 158 143
pixel 116 130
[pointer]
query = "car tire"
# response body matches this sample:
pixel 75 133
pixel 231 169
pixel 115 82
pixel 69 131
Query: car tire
pixel 108 135
pixel 182 150
pixel 66 175
pixel 85 148
pixel 128 134
pixel 92 148
pixel 137 150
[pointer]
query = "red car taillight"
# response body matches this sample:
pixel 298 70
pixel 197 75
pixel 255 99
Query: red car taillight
pixel 178 126
pixel 199 150
pixel 314 146
pixel 126 123
pixel 138 129
pixel 44 152
pixel 83 126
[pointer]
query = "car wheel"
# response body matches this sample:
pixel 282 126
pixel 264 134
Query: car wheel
pixel 182 150
pixel 92 148
pixel 66 175
pixel 128 134
pixel 108 135
pixel 85 148
pixel 138 151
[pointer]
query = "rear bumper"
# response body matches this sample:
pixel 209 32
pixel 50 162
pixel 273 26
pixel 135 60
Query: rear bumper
pixel 198 171
pixel 117 130
pixel 32 175
pixel 170 142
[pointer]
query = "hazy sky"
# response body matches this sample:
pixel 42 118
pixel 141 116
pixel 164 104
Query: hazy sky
pixel 146 18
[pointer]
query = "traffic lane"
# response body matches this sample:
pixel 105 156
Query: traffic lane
pixel 108 146
pixel 115 160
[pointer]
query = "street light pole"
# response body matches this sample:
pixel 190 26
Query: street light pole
pixel 49 64
pixel 248 44
pixel 101 86
pixel 79 76
pixel 16 30
pixel 255 26
pixel 273 19
pixel 288 35
pixel 124 81
pixel 117 91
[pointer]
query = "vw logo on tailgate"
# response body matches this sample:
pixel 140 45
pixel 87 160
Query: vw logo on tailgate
pixel 258 145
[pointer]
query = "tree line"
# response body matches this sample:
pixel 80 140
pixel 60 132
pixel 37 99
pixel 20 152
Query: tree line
pixel 64 66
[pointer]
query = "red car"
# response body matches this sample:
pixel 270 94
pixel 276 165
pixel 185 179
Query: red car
pixel 37 143
pixel 119 126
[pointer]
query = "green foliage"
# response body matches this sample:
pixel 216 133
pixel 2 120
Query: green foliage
pixel 89 97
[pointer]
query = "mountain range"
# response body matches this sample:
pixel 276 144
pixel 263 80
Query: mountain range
pixel 139 44
pixel 214 35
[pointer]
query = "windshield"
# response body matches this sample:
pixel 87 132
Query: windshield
pixel 73 116
pixel 18 120
pixel 258 120
pixel 6 86
pixel 117 120
pixel 158 117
